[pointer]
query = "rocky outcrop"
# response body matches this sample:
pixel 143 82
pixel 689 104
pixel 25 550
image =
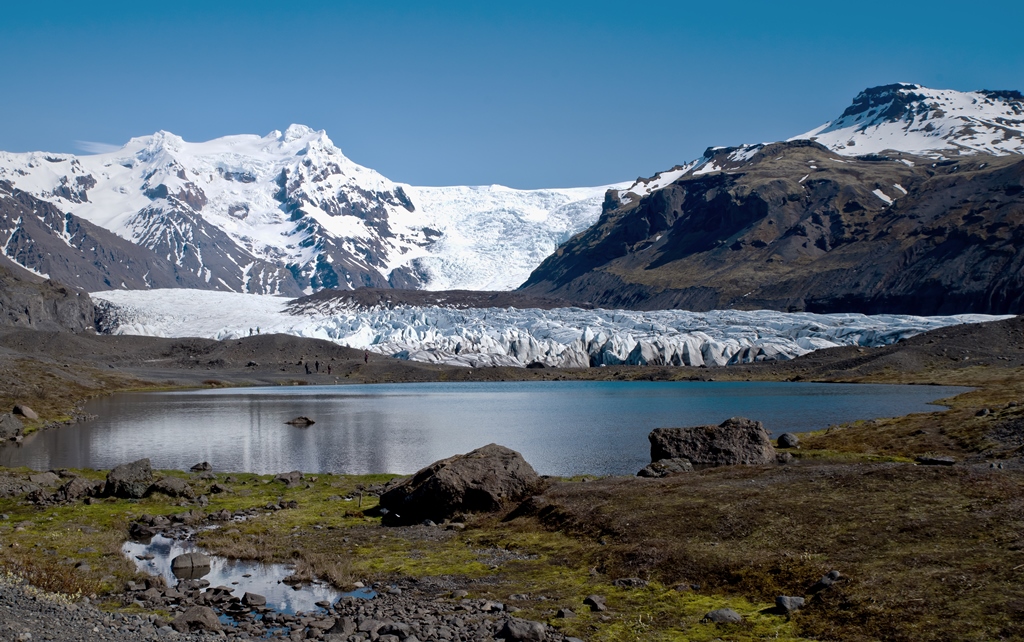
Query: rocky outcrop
pixel 796 227
pixel 666 467
pixel 487 479
pixel 735 441
pixel 26 300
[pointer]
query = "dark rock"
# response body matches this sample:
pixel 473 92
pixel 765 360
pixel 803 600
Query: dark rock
pixel 984 412
pixel 130 480
pixel 734 441
pixel 519 630
pixel 666 467
pixel 789 603
pixel 196 618
pixel 595 602
pixel 173 487
pixel 10 427
pixel 565 613
pixel 300 422
pixel 788 440
pixel 925 460
pixel 79 487
pixel 254 599
pixel 487 479
pixel 202 467
pixel 291 480
pixel 723 616
pixel 25 412
pixel 219 488
pixel 826 581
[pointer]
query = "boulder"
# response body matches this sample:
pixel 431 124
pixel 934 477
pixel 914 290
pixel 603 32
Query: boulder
pixel 291 480
pixel 520 630
pixel 10 426
pixel 789 603
pixel 254 599
pixel 723 616
pixel 190 566
pixel 788 440
pixel 666 467
pixel 300 422
pixel 595 602
pixel 173 487
pixel 79 487
pixel 44 479
pixel 25 412
pixel 130 481
pixel 487 479
pixel 202 467
pixel 734 441
pixel 196 618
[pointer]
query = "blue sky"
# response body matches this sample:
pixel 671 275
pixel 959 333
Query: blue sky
pixel 523 94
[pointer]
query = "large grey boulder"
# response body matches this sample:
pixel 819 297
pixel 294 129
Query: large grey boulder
pixel 130 481
pixel 487 479
pixel 734 441
pixel 173 487
pixel 79 487
pixel 25 411
pixel 196 618
pixel 520 630
pixel 10 426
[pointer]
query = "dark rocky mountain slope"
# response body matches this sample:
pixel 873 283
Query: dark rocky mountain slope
pixel 29 301
pixel 67 248
pixel 795 226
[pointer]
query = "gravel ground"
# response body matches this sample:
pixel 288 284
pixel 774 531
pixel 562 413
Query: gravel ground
pixel 29 614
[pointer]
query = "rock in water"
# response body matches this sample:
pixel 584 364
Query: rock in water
pixel 10 426
pixel 130 481
pixel 486 479
pixel 734 441
pixel 300 422
pixel 190 566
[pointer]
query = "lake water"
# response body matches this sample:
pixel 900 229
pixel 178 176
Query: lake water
pixel 561 428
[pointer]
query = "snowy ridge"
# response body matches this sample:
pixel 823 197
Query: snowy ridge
pixel 927 122
pixel 288 212
pixel 565 337
pixel 935 123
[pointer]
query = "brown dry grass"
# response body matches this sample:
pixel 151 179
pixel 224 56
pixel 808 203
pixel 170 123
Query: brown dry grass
pixel 917 545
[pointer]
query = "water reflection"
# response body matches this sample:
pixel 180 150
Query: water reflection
pixel 263 579
pixel 562 428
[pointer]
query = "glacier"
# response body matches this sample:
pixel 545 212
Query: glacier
pixel 484 337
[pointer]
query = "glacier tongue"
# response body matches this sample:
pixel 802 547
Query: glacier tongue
pixel 480 337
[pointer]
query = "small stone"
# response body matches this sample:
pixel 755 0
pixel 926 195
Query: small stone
pixel 519 630
pixel 201 467
pixel 595 602
pixel 723 616
pixel 788 440
pixel 984 412
pixel 565 613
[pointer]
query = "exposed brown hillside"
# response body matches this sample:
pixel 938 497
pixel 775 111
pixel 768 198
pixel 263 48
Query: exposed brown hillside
pixel 797 227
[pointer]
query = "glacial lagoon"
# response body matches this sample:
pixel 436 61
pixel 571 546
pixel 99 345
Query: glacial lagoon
pixel 561 428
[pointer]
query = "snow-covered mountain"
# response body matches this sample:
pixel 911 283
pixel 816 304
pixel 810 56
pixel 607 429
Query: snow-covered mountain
pixel 907 118
pixel 927 122
pixel 482 337
pixel 289 213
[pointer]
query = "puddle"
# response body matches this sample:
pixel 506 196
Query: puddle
pixel 264 579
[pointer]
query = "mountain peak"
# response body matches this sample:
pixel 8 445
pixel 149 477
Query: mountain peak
pixel 930 122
